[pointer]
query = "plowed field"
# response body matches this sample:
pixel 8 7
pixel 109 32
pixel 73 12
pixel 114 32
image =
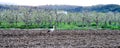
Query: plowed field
pixel 60 39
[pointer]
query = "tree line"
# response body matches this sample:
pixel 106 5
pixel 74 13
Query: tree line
pixel 42 18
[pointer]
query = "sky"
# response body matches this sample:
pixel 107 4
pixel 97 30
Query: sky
pixel 60 2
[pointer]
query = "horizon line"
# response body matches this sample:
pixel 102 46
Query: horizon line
pixel 55 5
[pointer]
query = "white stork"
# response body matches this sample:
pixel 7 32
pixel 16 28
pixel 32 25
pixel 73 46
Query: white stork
pixel 52 29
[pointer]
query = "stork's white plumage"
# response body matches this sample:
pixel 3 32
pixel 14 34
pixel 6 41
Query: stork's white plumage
pixel 51 30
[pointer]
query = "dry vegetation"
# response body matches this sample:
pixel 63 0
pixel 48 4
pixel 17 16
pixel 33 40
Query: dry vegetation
pixel 60 39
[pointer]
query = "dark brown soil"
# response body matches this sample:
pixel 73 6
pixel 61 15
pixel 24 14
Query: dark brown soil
pixel 60 39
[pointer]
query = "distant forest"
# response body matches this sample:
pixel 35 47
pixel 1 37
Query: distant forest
pixel 69 8
pixel 62 16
